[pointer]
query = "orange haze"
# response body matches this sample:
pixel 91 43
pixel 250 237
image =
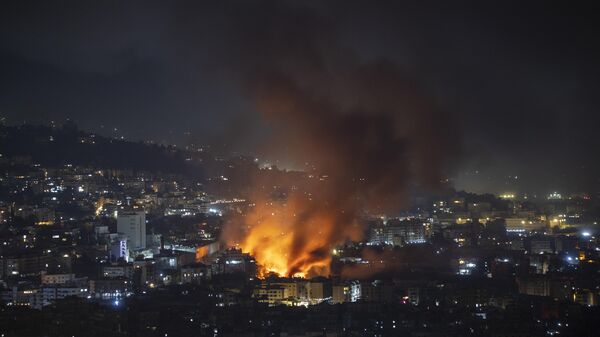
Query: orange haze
pixel 288 240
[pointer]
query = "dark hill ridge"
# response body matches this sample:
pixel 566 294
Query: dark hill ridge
pixel 57 146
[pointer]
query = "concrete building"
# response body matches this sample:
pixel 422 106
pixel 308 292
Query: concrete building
pixel 133 225
pixel 194 273
pixel 270 294
pixel 118 271
pixel 118 247
pixel 51 294
pixel 400 232
pixel 339 294
pixel 516 224
pixel 57 278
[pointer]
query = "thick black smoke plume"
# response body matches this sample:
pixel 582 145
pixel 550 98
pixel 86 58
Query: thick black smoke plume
pixel 366 128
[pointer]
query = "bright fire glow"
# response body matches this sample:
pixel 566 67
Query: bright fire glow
pixel 286 243
pixel 201 252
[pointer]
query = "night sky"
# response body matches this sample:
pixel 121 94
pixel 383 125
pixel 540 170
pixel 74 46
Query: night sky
pixel 518 83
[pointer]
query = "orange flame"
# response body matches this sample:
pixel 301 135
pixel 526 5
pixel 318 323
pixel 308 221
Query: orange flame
pixel 201 252
pixel 286 243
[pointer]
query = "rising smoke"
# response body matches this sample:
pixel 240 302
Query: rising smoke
pixel 366 130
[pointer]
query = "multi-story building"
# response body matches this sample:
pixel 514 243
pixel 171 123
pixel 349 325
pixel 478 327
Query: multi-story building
pixel 118 247
pixel 400 232
pixel 118 271
pixel 194 273
pixel 271 294
pixel 57 278
pixel 54 293
pixel 133 225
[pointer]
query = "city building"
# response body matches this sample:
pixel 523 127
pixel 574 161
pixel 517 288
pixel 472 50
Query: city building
pixel 133 225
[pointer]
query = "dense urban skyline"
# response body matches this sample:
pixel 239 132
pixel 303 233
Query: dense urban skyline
pixel 515 81
pixel 286 168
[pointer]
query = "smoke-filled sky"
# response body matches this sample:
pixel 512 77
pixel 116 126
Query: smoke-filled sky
pixel 515 84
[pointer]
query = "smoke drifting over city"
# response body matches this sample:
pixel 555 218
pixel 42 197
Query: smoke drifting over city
pixel 364 130
pixel 299 168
